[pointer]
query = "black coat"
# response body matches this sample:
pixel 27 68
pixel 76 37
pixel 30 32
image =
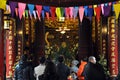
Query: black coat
pixel 49 72
pixel 63 71
pixel 118 76
pixel 19 70
pixel 93 72
pixel 28 73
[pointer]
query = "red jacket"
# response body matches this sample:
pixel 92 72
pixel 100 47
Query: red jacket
pixel 80 70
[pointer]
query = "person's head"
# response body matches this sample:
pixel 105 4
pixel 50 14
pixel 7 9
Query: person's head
pixel 50 68
pixel 75 62
pixel 48 59
pixel 42 60
pixel 84 59
pixel 24 57
pixel 92 59
pixel 61 58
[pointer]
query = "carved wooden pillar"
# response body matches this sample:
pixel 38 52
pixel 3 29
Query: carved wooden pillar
pixel 1 46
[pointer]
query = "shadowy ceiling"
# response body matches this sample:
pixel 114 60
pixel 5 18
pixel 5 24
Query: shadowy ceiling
pixel 64 3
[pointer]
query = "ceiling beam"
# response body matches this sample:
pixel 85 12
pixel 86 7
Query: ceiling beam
pixel 64 3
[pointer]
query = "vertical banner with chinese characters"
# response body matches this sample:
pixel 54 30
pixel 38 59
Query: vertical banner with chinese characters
pixel 98 37
pixel 93 34
pixel 104 39
pixel 113 46
pixel 27 35
pixel 10 50
pixel 93 29
pixel 19 38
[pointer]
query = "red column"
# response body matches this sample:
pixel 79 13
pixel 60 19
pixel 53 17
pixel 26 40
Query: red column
pixel 1 46
pixel 113 47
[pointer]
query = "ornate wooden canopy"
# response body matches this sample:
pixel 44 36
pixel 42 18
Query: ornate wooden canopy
pixel 64 3
pixel 69 23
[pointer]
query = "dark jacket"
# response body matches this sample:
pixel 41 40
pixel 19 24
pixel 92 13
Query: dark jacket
pixel 62 71
pixel 93 72
pixel 18 75
pixel 51 77
pixel 50 72
pixel 118 76
pixel 28 72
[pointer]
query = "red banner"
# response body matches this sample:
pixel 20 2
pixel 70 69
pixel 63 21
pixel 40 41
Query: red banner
pixel 10 51
pixel 113 47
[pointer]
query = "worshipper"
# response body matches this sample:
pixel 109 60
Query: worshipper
pixel 18 74
pixel 74 69
pixel 39 70
pixel 28 71
pixel 93 71
pixel 50 72
pixel 63 71
pixel 81 68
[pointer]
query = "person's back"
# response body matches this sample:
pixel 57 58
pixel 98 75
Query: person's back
pixel 118 76
pixel 100 72
pixel 39 70
pixel 18 74
pixel 63 71
pixel 89 71
pixel 92 71
pixel 50 72
pixel 28 72
pixel 80 70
